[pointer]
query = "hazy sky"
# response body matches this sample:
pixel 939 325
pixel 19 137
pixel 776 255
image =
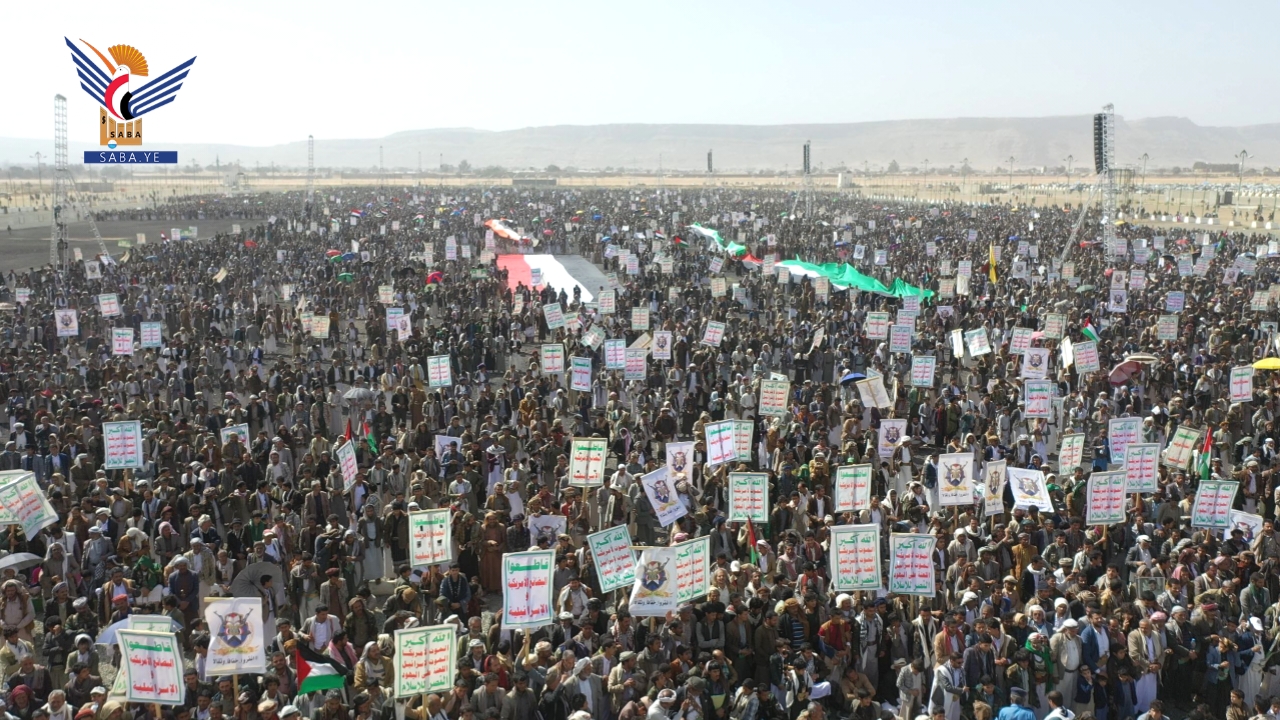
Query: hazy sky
pixel 270 71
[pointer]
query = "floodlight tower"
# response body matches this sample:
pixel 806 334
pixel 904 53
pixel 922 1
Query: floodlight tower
pixel 63 188
pixel 58 228
pixel 311 169
pixel 1104 124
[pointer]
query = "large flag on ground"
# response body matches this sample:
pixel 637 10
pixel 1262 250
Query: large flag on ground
pixel 315 672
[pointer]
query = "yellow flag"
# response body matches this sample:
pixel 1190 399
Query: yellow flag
pixel 991 263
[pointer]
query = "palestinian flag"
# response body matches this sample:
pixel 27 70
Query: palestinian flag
pixel 315 672
pixel 1206 452
pixel 371 439
pixel 1089 331
pixel 348 434
pixel 751 541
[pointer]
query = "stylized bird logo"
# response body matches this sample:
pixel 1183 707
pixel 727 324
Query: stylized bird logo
pixel 111 88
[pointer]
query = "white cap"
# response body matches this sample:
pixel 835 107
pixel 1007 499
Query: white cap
pixel 1070 623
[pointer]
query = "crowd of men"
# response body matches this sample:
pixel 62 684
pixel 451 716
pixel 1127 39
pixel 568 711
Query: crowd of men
pixel 1035 614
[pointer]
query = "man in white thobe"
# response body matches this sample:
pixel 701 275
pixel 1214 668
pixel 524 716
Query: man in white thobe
pixel 1067 652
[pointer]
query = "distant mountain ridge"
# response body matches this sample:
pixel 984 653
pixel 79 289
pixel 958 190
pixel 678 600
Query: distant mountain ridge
pixel 988 143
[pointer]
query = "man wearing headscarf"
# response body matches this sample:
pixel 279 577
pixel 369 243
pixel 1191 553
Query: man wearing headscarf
pixel 586 683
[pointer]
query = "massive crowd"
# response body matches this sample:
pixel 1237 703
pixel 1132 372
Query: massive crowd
pixel 1034 614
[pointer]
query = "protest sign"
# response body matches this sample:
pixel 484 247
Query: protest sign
pixel 749 497
pixel 1120 433
pixel 580 379
pixel 551 358
pixel 1086 357
pixel 586 463
pixel 424 661
pixel 852 488
pixel 636 365
pixel 152 334
pixel 1038 398
pixel 680 458
pixel 1035 363
pixel 911 564
pixel 743 431
pixel 347 463
pixel 923 369
pixel 955 479
pixel 68 322
pixel 655 592
pixel 122 444
pixel 1142 467
pixel 121 341
pixel 877 325
pixel 662 341
pixel 1070 453
pixel 1020 340
pixel 241 432
pixel 659 487
pixel 25 501
pixel 873 393
pixel 546 527
pixel 1054 325
pixel 900 338
pixel 693 568
pixel 430 538
pixel 615 354
pixel 994 477
pixel 976 341
pixel 1104 503
pixel 720 446
pixel 237 640
pixel 714 333
pixel 614 562
pixel 774 397
pixel 152 665
pixel 1242 384
pixel 554 316
pixel 439 371
pixel 1029 489
pixel 527 600
pixel 1182 447
pixel 854 558
pixel 1212 507
pixel 891 431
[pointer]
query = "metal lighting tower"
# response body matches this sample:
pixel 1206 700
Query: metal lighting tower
pixel 63 187
pixel 58 229
pixel 311 169
pixel 1107 178
pixel 808 183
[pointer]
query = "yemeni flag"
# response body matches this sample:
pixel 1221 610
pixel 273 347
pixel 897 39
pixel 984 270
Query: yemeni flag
pixel 315 672
pixel 1205 451
pixel 371 439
